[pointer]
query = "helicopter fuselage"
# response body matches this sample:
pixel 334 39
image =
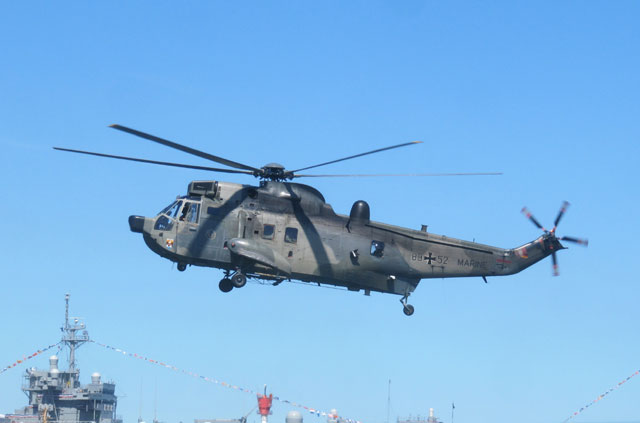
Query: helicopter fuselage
pixel 286 231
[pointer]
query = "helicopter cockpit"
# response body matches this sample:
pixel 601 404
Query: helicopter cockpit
pixel 184 209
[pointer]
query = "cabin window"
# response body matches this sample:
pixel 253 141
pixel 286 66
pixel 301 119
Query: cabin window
pixel 267 231
pixel 291 235
pixel 377 248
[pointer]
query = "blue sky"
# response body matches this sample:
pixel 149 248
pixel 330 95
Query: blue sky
pixel 546 92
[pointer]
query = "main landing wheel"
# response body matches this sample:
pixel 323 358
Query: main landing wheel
pixel 182 267
pixel 239 280
pixel 225 285
pixel 408 309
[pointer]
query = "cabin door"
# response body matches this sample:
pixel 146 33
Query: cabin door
pixel 247 224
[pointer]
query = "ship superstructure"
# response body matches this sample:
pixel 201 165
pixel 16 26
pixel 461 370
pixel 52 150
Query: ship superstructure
pixel 419 419
pixel 57 396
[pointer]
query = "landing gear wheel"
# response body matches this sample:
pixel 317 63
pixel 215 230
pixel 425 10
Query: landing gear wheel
pixel 182 267
pixel 239 280
pixel 225 285
pixel 408 309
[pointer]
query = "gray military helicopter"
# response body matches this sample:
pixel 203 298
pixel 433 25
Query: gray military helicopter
pixel 281 230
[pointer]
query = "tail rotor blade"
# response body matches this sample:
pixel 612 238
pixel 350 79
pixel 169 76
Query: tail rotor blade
pixel 563 209
pixel 580 241
pixel 554 260
pixel 527 213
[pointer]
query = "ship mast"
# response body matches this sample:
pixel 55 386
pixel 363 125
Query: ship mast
pixel 73 340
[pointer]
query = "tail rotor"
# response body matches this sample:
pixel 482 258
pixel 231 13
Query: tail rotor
pixel 549 240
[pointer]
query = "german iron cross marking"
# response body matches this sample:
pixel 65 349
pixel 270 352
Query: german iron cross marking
pixel 430 258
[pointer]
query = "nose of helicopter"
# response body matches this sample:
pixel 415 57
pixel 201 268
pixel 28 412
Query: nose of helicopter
pixel 136 223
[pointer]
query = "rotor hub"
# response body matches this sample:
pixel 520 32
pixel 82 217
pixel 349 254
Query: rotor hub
pixel 274 172
pixel 549 240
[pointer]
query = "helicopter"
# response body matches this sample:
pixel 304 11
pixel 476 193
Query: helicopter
pixel 281 231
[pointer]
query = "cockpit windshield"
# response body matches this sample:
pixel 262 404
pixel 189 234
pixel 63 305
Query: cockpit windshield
pixel 185 209
pixel 172 209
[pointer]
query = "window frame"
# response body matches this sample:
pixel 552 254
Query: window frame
pixel 291 235
pixel 273 231
pixel 377 248
pixel 190 215
pixel 174 211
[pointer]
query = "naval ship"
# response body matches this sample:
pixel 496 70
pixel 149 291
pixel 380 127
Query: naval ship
pixel 57 396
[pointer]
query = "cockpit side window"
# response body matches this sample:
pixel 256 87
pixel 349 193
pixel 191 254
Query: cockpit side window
pixel 377 248
pixel 192 214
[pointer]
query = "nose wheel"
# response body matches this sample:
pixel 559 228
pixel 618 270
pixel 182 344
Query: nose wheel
pixel 182 267
pixel 407 309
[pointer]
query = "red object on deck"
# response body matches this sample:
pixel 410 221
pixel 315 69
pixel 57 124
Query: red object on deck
pixel 264 404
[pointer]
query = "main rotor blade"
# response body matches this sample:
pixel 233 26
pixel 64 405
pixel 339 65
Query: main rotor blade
pixel 580 241
pixel 185 148
pixel 359 155
pixel 554 260
pixel 533 219
pixel 563 209
pixel 133 159
pixel 368 175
